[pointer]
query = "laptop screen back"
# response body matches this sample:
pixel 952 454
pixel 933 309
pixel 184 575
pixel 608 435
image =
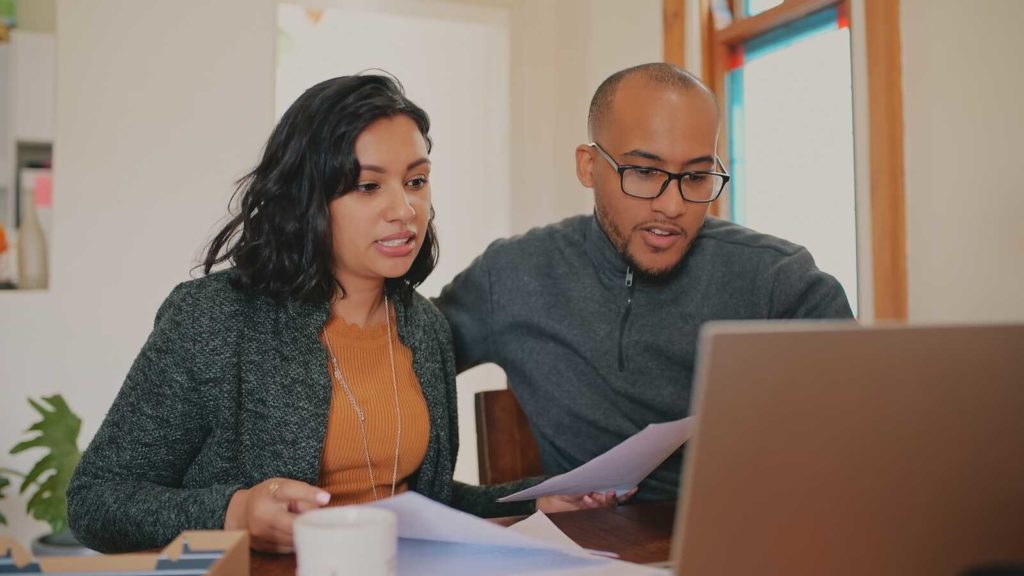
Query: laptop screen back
pixel 834 449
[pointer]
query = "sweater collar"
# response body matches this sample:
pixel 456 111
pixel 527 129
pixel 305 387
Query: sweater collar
pixel 608 262
pixel 611 266
pixel 310 318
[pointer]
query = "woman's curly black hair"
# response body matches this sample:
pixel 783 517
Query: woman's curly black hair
pixel 280 241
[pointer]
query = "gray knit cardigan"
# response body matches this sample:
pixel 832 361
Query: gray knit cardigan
pixel 231 389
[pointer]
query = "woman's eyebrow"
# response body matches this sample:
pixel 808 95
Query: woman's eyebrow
pixel 381 170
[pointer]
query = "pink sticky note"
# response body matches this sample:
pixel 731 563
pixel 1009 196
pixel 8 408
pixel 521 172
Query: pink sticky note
pixel 44 190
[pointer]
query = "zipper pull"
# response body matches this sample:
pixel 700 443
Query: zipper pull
pixel 625 318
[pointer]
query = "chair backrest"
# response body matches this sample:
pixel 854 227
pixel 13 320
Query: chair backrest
pixel 505 446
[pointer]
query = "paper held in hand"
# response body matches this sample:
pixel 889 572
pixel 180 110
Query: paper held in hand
pixel 620 468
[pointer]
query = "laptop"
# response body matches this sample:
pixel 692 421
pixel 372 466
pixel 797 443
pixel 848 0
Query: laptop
pixel 828 448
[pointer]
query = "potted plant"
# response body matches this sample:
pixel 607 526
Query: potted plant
pixel 57 433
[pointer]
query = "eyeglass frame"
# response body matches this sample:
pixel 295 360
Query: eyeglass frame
pixel 670 176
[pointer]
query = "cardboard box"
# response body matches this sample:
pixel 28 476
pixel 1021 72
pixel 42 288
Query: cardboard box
pixel 220 553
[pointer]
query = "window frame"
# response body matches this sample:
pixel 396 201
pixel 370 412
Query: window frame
pixel 885 117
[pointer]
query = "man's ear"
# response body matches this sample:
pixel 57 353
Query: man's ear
pixel 585 165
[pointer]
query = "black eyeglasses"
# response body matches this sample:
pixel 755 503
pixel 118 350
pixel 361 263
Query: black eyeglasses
pixel 700 186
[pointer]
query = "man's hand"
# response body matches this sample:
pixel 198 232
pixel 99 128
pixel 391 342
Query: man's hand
pixel 569 502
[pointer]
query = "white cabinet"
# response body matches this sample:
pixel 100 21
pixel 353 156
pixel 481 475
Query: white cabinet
pixel 32 67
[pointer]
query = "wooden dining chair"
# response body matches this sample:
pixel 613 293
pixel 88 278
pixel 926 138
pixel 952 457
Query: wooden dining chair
pixel 505 445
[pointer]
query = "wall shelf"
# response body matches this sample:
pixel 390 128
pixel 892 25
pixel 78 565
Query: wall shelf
pixel 27 103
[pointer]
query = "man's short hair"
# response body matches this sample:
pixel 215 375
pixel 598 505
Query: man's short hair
pixel 658 73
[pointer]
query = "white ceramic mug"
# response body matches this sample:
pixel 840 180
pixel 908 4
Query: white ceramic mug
pixel 346 540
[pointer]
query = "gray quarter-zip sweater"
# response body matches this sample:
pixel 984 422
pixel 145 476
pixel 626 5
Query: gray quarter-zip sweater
pixel 594 353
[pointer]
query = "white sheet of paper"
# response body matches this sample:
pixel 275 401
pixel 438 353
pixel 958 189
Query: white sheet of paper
pixel 540 527
pixel 620 468
pixel 421 518
pixel 437 540
pixel 432 558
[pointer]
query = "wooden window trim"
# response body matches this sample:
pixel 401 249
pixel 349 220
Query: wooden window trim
pixel 885 120
pixel 743 29
pixel 674 25
pixel 885 157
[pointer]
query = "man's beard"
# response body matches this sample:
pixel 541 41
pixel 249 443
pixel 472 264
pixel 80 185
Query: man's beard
pixel 621 243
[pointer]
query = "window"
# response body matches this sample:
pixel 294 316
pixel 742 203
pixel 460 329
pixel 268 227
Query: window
pixel 743 41
pixel 755 7
pixel 790 138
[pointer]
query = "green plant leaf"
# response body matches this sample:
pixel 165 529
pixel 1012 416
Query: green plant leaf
pixel 50 503
pixel 47 462
pixel 57 432
pixel 4 482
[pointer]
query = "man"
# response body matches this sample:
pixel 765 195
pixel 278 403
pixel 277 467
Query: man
pixel 595 319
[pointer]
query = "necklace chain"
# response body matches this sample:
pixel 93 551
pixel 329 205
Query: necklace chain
pixel 361 414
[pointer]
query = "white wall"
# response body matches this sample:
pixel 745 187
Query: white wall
pixel 561 51
pixel 963 125
pixel 162 104
pixel 157 113
pixel 37 15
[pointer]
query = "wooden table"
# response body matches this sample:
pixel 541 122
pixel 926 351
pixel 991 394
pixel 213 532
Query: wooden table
pixel 637 532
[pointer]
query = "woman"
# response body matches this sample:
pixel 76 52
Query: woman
pixel 308 373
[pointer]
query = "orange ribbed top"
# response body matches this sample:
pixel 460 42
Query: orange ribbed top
pixel 362 355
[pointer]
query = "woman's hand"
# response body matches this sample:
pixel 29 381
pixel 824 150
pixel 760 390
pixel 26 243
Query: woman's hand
pixel 569 502
pixel 268 510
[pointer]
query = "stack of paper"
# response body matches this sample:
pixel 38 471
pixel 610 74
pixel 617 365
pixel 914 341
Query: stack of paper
pixel 436 539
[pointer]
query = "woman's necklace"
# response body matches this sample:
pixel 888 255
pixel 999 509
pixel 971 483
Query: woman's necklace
pixel 361 415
